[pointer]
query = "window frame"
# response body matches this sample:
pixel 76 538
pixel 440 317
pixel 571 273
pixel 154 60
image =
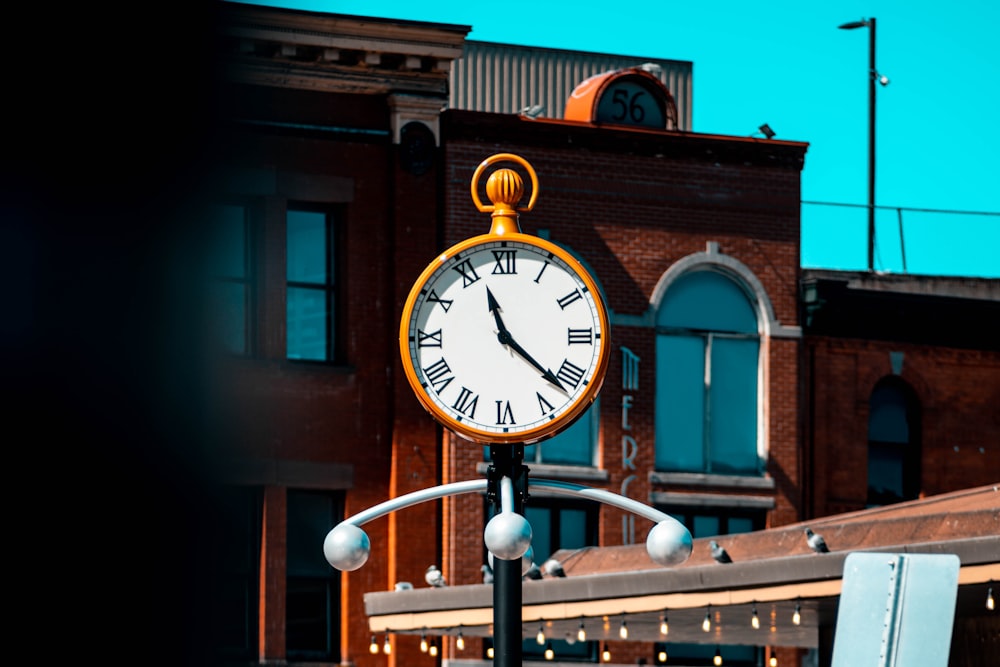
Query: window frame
pixel 325 577
pixel 331 287
pixel 707 338
pixel 248 281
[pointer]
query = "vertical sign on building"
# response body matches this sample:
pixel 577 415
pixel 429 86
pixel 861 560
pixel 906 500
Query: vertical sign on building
pixel 630 448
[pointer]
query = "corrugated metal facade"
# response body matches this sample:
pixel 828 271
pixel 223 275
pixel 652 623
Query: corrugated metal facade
pixel 504 78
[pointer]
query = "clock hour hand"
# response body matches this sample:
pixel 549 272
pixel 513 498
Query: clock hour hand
pixel 506 339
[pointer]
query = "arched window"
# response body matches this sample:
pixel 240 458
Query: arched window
pixel 893 443
pixel 707 358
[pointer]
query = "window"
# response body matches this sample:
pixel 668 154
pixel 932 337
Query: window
pixel 576 446
pixel 555 525
pixel 230 288
pixel 236 616
pixel 311 286
pixel 706 522
pixel 707 357
pixel 893 444
pixel 312 605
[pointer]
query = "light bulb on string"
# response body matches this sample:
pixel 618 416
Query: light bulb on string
pixel 773 662
pixel 706 624
pixel 664 626
pixel 623 629
pixel 797 616
pixel 434 647
pixel 540 637
pixel 549 653
pixel 489 652
pixel 373 646
pixel 661 657
pixel 989 599
pixel 754 619
pixel 581 634
pixel 460 642
pixel 423 642
pixel 606 654
pixel 386 646
pixel 717 659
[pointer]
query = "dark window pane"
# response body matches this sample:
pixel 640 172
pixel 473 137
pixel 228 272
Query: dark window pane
pixel 312 593
pixel 238 551
pixel 575 445
pixel 733 406
pixel 572 529
pixel 707 301
pixel 307 247
pixel 229 315
pixel 706 526
pixel 306 324
pixel 229 245
pixel 680 403
pixel 540 519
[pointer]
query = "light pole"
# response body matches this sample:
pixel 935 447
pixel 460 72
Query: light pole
pixel 873 76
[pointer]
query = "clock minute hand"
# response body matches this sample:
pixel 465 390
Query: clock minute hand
pixel 505 338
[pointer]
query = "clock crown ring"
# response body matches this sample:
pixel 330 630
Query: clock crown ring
pixel 504 187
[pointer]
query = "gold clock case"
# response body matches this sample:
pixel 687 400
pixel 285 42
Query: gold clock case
pixel 556 425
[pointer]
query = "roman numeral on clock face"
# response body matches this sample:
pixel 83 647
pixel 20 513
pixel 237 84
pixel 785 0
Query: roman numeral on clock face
pixel 580 336
pixel 506 262
pixel 570 373
pixel 569 298
pixel 467 272
pixel 439 375
pixel 504 414
pixel 466 403
pixel 434 298
pixel 544 405
pixel 432 339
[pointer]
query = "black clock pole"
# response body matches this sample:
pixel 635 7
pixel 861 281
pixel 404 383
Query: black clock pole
pixel 507 461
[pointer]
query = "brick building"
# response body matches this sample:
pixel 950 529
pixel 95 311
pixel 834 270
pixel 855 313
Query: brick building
pixel 744 393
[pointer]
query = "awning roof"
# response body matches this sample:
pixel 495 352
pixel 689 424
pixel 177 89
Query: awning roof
pixel 772 570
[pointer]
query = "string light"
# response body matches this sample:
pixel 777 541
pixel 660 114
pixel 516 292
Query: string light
pixel 489 652
pixel 549 653
pixel 540 637
pixel 386 646
pixel 989 599
pixel 434 647
pixel 423 642
pixel 797 616
pixel 373 647
pixel 664 626
pixel 706 625
pixel 581 634
pixel 623 630
pixel 773 662
pixel 460 642
pixel 662 656
pixel 717 660
pixel 754 619
pixel 606 654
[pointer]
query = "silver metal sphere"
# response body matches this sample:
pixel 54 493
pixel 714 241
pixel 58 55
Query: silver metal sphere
pixel 669 543
pixel 508 535
pixel 347 547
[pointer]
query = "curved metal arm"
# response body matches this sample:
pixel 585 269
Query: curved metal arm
pixel 414 498
pixel 606 497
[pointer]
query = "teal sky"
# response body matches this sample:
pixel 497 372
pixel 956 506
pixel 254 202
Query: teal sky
pixel 786 64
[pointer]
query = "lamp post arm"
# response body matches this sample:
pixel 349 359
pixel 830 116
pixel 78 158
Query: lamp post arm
pixel 415 498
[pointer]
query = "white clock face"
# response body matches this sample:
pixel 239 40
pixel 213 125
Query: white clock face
pixel 506 340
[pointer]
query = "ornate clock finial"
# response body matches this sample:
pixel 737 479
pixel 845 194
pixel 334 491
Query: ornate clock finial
pixel 504 187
